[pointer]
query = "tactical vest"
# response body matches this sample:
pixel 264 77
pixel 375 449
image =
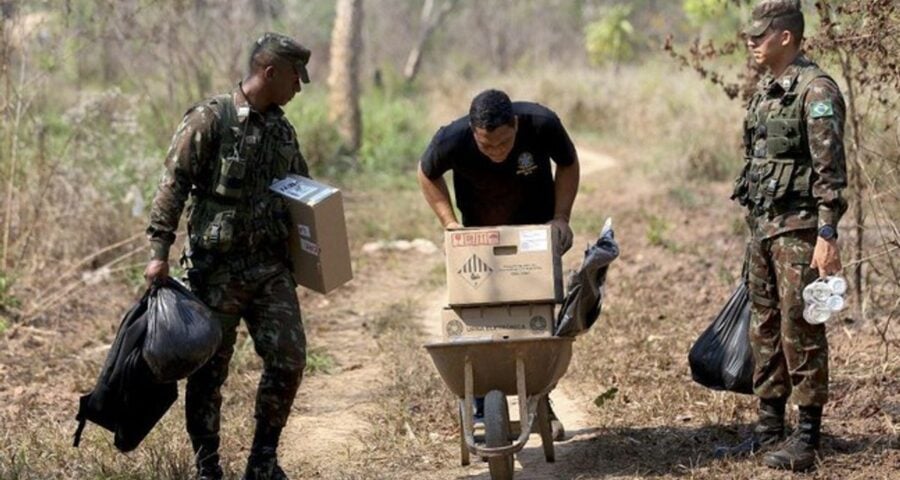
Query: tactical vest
pixel 236 211
pixel 778 172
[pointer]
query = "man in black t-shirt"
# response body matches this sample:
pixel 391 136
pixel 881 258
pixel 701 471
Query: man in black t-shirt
pixel 500 157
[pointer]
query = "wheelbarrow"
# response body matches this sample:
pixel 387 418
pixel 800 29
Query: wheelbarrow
pixel 493 368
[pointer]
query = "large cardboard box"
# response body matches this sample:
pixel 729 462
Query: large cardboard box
pixel 504 264
pixel 320 252
pixel 498 322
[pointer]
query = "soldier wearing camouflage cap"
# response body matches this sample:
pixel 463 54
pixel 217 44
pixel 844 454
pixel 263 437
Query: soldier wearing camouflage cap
pixel 791 184
pixel 226 152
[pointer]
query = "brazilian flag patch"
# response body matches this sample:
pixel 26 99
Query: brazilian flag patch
pixel 821 109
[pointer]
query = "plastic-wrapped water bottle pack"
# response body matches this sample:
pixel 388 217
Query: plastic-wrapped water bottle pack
pixel 823 298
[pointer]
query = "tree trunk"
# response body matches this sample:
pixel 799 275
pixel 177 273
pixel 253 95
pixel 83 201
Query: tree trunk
pixel 428 22
pixel 857 186
pixel 343 78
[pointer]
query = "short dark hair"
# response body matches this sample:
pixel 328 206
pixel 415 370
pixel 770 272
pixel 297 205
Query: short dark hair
pixel 491 109
pixel 792 22
pixel 260 57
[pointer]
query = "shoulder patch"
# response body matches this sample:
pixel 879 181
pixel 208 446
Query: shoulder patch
pixel 821 109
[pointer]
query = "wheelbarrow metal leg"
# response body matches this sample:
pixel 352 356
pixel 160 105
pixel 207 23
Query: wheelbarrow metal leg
pixel 524 420
pixel 463 450
pixel 543 420
pixel 468 422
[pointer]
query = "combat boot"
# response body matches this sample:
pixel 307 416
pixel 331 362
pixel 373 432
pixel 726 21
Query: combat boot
pixel 799 452
pixel 768 432
pixel 263 461
pixel 206 457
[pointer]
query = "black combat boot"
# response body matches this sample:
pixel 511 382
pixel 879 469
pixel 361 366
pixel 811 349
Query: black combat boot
pixel 263 461
pixel 799 452
pixel 206 457
pixel 768 432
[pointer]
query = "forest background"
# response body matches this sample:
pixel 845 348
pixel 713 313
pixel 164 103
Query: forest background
pixel 91 92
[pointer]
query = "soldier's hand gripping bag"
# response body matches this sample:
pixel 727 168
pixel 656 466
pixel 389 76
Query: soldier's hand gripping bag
pixel 182 335
pixel 584 298
pixel 721 358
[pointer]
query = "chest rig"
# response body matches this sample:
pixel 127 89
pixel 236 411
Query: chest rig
pixel 778 173
pixel 236 211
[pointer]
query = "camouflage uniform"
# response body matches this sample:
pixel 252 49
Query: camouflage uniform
pixel 792 181
pixel 223 157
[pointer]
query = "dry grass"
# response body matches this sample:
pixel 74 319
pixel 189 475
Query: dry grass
pixel 660 297
pixel 671 122
pixel 680 240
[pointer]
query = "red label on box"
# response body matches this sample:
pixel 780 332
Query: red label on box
pixel 472 239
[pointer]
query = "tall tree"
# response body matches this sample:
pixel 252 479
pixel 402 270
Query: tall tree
pixel 430 19
pixel 343 78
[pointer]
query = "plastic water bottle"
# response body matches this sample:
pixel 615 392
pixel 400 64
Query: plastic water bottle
pixel 823 298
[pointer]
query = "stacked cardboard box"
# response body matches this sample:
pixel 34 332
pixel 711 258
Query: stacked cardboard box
pixel 502 282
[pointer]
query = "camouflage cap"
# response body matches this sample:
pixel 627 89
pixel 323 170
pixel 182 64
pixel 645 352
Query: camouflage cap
pixel 288 49
pixel 768 10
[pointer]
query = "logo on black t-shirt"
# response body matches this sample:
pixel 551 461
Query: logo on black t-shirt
pixel 526 165
pixel 474 271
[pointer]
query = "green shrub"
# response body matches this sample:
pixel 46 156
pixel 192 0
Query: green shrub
pixel 394 136
pixel 611 38
pixel 701 11
pixel 7 300
pixel 319 361
pixel 657 232
pixel 318 138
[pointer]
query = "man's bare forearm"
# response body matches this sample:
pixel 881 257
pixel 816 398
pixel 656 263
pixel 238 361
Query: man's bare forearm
pixel 565 188
pixel 438 197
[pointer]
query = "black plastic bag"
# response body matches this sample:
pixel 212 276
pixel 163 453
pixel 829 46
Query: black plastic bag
pixel 181 333
pixel 721 358
pixel 584 298
pixel 127 400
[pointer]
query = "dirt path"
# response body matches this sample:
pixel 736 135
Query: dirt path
pixel 329 414
pixel 329 420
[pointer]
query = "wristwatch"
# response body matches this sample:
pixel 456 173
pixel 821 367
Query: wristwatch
pixel 828 232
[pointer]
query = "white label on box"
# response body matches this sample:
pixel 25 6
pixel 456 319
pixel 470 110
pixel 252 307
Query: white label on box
pixel 533 240
pixel 294 189
pixel 304 231
pixel 309 247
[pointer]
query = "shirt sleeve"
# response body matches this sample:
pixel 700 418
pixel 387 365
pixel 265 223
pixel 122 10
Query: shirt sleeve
pixel 559 145
pixel 298 162
pixel 825 113
pixel 434 161
pixel 191 148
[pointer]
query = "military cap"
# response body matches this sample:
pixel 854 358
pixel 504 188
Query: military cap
pixel 288 49
pixel 768 10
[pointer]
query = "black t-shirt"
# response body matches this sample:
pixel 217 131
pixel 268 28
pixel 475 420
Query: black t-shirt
pixel 517 191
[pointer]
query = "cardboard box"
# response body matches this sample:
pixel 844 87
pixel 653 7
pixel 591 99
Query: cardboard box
pixel 319 249
pixel 498 322
pixel 504 264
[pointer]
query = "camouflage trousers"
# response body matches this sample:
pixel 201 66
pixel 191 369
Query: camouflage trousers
pixel 265 298
pixel 790 355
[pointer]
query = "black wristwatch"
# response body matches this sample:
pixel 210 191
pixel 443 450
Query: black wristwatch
pixel 828 232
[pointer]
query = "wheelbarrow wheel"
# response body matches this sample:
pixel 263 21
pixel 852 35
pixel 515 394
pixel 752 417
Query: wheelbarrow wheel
pixel 463 449
pixel 496 434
